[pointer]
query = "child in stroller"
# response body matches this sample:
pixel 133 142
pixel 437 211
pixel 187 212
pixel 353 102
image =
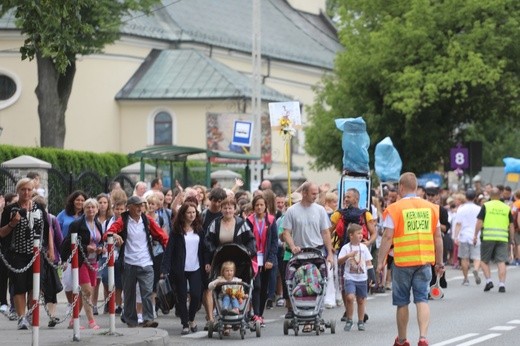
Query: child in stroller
pixel 232 295
pixel 232 274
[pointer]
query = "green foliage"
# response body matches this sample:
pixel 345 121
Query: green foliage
pixel 76 162
pixel 424 73
pixel 62 30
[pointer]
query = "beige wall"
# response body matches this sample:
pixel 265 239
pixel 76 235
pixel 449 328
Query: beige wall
pixel 311 6
pixel 97 122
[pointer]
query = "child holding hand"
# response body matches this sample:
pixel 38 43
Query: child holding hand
pixel 232 295
pixel 357 258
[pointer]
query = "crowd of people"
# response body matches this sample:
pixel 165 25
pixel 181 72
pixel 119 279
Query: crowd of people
pixel 162 232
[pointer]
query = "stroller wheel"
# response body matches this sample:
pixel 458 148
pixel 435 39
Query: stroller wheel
pixel 210 329
pixel 242 333
pixel 296 331
pixel 258 329
pixel 220 334
pixel 332 327
pixel 286 324
pixel 317 328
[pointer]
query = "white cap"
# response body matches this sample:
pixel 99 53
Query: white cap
pixel 431 185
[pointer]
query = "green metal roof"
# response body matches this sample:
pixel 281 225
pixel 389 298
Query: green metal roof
pixel 188 75
pixel 287 34
pixel 180 153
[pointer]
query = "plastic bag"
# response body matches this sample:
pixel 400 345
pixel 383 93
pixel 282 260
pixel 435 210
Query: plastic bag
pixel 355 142
pixel 388 163
pixel 512 165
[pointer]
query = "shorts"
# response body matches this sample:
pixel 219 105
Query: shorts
pixel 87 275
pixel 22 282
pixel 468 250
pixel 358 288
pixel 497 251
pixel 517 238
pixel 405 279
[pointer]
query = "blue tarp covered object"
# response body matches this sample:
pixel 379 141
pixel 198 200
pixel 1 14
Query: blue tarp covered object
pixel 512 165
pixel 388 163
pixel 355 142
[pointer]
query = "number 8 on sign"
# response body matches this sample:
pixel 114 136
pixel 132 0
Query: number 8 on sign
pixel 459 159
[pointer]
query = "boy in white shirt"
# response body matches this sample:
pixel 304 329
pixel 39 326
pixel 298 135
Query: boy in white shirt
pixel 357 259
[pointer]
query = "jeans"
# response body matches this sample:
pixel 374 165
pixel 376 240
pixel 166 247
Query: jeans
pixel 229 302
pixel 406 279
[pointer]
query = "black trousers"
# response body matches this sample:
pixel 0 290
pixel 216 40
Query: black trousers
pixel 195 281
pixel 260 288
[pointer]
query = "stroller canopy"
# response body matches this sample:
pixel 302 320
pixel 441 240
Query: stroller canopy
pixel 237 254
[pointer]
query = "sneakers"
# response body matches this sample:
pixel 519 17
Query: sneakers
pixel 119 310
pixel 465 282
pixel 289 315
pixel 361 326
pixel 404 343
pixel 23 324
pixel 185 331
pixel 139 318
pixel 4 308
pixel 269 304
pixel 348 326
pixel 150 324
pixel 489 286
pixel 280 302
pixel 95 311
pixel 477 277
pixel 53 322
pixel 344 317
pixel 422 342
pixel 502 289
pixel 233 311
pixel 193 326
pixel 12 316
pixel 365 318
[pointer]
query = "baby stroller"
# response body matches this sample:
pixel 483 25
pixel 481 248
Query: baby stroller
pixel 244 270
pixel 306 279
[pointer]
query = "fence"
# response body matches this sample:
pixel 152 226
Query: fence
pixel 61 185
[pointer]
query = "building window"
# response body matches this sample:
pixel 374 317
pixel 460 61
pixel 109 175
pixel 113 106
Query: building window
pixel 9 89
pixel 163 129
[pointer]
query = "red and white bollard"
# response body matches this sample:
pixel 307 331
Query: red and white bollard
pixel 75 286
pixel 36 292
pixel 111 283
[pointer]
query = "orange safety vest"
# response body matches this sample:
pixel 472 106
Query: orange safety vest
pixel 415 221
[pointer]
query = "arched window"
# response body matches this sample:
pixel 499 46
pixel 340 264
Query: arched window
pixel 162 126
pixel 9 89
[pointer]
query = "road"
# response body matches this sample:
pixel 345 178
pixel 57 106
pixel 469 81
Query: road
pixel 466 316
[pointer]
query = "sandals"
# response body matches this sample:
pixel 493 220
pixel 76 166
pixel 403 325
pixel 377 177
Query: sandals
pixel 193 326
pixel 93 325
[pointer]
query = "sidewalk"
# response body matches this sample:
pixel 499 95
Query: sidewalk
pixel 60 335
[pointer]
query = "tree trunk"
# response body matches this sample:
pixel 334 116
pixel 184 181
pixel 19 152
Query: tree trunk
pixel 53 92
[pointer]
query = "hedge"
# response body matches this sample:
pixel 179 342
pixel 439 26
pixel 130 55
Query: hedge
pixel 71 160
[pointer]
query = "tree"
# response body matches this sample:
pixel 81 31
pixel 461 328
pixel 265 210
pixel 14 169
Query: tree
pixel 55 34
pixel 426 73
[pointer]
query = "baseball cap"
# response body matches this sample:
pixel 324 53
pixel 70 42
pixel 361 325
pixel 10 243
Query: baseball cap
pixel 470 194
pixel 135 200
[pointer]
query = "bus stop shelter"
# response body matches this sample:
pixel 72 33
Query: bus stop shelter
pixel 175 153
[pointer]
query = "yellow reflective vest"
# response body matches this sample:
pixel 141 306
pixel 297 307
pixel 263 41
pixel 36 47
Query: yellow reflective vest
pixel 415 221
pixel 496 221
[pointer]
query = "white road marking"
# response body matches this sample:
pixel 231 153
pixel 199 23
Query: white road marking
pixel 502 328
pixel 479 340
pixel 454 340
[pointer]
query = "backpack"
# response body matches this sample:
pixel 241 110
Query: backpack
pixel 348 216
